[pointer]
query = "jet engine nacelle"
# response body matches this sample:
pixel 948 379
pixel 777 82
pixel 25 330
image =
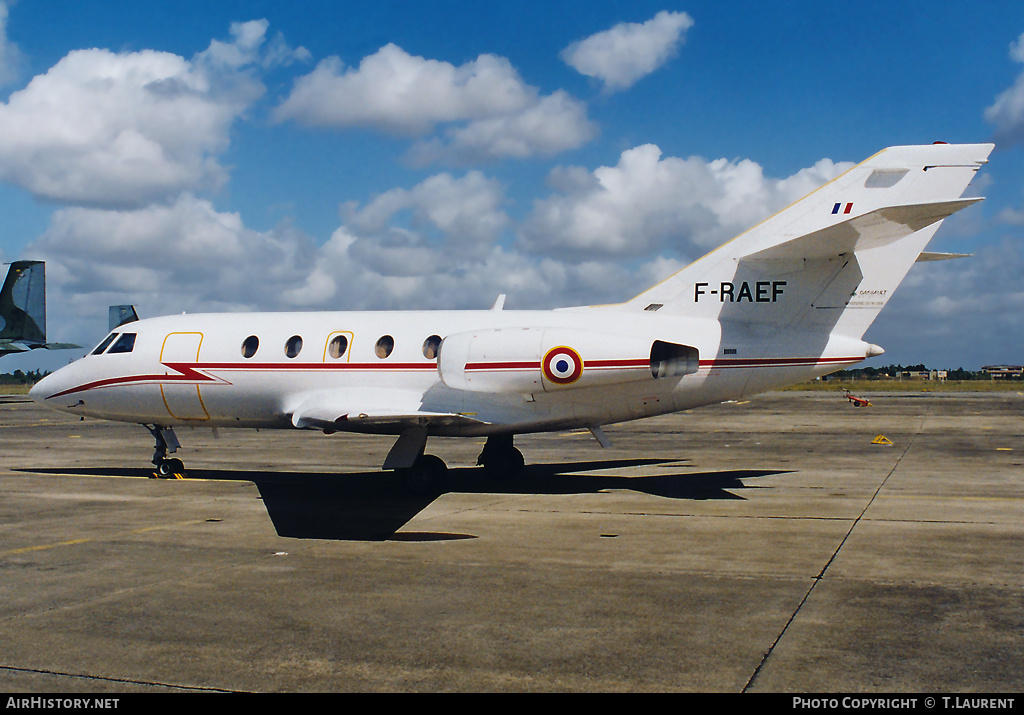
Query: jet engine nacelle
pixel 527 360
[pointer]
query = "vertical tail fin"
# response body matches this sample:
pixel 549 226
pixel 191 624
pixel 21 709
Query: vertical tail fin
pixel 832 260
pixel 23 302
pixel 118 315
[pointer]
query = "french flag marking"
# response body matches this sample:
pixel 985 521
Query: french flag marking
pixel 837 207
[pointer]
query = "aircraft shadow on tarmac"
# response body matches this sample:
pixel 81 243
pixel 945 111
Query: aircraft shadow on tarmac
pixel 372 506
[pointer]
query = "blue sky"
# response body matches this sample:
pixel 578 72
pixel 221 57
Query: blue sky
pixel 331 155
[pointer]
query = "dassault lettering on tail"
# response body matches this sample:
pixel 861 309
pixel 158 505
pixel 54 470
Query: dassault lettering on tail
pixel 786 301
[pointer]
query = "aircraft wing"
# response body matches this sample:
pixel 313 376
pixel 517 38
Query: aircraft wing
pixel 370 409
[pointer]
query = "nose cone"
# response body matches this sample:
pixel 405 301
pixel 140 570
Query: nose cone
pixel 51 385
pixel 41 390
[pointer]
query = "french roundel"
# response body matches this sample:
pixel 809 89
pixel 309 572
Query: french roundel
pixel 562 365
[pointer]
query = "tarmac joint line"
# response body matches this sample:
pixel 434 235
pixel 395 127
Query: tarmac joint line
pixel 821 574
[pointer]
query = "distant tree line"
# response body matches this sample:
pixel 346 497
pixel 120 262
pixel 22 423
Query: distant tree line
pixel 22 378
pixel 893 372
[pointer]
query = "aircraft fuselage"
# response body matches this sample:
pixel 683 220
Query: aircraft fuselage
pixel 255 370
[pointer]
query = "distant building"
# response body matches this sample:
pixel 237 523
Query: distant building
pixel 1002 372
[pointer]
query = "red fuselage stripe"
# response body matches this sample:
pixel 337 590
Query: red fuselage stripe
pixel 535 365
pixel 195 372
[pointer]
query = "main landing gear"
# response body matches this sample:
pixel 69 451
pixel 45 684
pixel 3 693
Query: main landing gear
pixel 166 442
pixel 500 459
pixel 425 473
pixel 422 473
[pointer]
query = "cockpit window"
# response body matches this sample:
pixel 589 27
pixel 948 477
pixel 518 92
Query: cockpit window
pixel 103 346
pixel 124 344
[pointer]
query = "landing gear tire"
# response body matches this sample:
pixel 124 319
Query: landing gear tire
pixel 166 441
pixel 504 466
pixel 170 469
pixel 501 460
pixel 427 475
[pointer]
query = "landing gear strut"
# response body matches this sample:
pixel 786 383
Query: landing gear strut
pixel 422 473
pixel 166 442
pixel 500 459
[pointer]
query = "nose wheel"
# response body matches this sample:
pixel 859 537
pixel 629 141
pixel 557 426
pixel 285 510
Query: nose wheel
pixel 170 469
pixel 166 443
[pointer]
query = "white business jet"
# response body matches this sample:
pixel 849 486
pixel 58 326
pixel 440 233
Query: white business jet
pixel 787 301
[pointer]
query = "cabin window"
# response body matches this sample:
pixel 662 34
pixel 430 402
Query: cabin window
pixel 384 346
pixel 249 346
pixel 430 347
pixel 337 347
pixel 293 347
pixel 103 346
pixel 124 344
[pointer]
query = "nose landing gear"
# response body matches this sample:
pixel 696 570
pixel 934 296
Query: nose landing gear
pixel 166 443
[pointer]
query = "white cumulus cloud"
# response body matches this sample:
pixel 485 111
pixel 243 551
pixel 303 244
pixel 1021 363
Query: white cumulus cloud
pixel 554 124
pixel 625 53
pixel 486 109
pixel 465 211
pixel 646 205
pixel 10 55
pixel 1007 112
pixel 165 258
pixel 402 93
pixel 123 129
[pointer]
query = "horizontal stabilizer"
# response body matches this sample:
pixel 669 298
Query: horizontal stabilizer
pixel 875 228
pixel 926 256
pixel 7 347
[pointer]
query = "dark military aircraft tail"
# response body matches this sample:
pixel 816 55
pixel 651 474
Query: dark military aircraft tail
pixel 23 310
